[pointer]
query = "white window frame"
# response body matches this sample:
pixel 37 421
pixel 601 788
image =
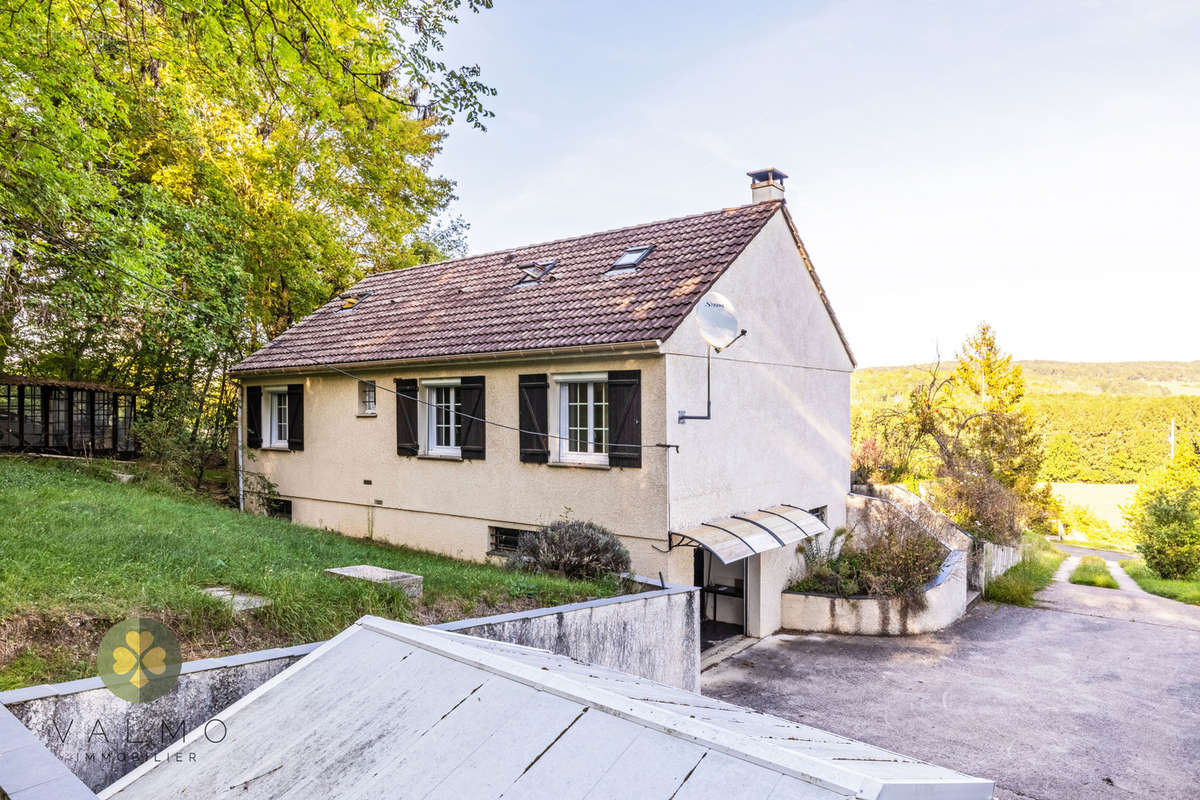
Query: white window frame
pixel 565 454
pixel 366 409
pixel 272 396
pixel 431 388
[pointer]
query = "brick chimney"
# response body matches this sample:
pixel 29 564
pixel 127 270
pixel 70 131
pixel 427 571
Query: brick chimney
pixel 766 184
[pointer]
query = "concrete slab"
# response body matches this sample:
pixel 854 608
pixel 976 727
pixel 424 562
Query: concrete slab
pixel 412 585
pixel 1047 703
pixel 240 602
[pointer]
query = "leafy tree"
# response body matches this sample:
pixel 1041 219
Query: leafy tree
pixel 983 442
pixel 248 158
pixel 1000 430
pixel 1165 516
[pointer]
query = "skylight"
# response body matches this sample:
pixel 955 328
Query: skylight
pixel 631 258
pixel 535 271
pixel 351 299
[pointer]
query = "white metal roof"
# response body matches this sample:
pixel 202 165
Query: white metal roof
pixel 386 709
pixel 738 536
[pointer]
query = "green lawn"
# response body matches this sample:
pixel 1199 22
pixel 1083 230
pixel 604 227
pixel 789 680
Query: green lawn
pixel 1184 591
pixel 1031 574
pixel 1092 571
pixel 79 553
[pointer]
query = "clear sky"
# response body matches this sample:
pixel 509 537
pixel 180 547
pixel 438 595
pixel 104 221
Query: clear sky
pixel 1032 164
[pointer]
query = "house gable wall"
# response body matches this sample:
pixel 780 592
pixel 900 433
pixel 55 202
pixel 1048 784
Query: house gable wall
pixel 780 427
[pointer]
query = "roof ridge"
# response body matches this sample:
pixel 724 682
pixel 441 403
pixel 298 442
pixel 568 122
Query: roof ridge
pixel 561 240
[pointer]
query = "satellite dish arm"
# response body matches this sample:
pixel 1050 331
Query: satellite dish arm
pixel 683 415
pixel 731 341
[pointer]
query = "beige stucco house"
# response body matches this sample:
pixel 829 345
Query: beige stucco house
pixel 450 406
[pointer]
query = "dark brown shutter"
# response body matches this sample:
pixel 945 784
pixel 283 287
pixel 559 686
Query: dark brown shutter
pixel 532 417
pixel 295 392
pixel 625 418
pixel 472 430
pixel 408 443
pixel 253 416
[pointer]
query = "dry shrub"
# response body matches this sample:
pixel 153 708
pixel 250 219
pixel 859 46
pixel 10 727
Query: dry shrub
pixel 577 549
pixel 887 554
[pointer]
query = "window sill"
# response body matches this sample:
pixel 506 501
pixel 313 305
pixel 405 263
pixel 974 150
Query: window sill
pixel 578 464
pixel 502 553
pixel 439 457
pixel 278 448
pixel 366 415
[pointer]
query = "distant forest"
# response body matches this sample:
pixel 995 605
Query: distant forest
pixel 1103 423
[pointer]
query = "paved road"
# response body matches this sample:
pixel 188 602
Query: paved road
pixel 1096 697
pixel 1107 555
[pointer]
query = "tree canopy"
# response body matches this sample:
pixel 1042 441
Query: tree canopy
pixel 250 157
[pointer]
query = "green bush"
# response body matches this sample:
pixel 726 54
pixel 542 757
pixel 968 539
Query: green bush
pixel 574 548
pixel 1165 518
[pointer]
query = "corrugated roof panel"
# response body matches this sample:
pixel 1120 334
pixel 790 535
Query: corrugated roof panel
pixel 739 536
pixel 386 705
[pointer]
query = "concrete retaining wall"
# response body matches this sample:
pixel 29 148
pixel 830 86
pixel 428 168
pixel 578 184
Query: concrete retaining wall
pixel 994 560
pixel 654 634
pixel 99 737
pixel 929 518
pixel 945 601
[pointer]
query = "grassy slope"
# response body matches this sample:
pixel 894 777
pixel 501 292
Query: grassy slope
pixel 1031 574
pixel 1092 571
pixel 1183 591
pixel 78 553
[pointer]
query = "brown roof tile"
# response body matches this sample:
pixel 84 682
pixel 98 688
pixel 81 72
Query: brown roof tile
pixel 474 305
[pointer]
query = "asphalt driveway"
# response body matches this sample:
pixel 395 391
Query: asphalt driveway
pixel 1097 697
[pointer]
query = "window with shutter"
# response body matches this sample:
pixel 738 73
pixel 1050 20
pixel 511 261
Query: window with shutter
pixel 295 416
pixel 472 430
pixel 533 418
pixel 408 442
pixel 625 418
pixel 254 416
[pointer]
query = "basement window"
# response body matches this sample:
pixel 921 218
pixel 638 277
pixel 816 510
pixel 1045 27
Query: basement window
pixel 278 507
pixel 504 541
pixel 631 259
pixel 821 513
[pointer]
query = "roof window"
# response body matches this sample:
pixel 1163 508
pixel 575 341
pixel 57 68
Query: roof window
pixel 351 299
pixel 631 259
pixel 535 271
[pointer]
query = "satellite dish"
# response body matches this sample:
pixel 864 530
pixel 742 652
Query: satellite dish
pixel 717 320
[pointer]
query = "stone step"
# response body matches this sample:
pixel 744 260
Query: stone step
pixel 412 585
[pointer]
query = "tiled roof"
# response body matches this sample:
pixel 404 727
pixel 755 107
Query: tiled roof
pixel 474 305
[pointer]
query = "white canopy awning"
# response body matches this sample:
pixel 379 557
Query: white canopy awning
pixel 738 536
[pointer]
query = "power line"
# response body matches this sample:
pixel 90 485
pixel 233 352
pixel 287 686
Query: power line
pixel 276 343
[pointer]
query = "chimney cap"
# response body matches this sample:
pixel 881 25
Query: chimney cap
pixel 767 175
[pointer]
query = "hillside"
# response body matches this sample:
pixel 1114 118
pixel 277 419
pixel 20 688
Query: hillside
pixel 1103 422
pixel 1137 378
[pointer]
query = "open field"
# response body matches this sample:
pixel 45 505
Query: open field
pixel 78 554
pixel 1102 499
